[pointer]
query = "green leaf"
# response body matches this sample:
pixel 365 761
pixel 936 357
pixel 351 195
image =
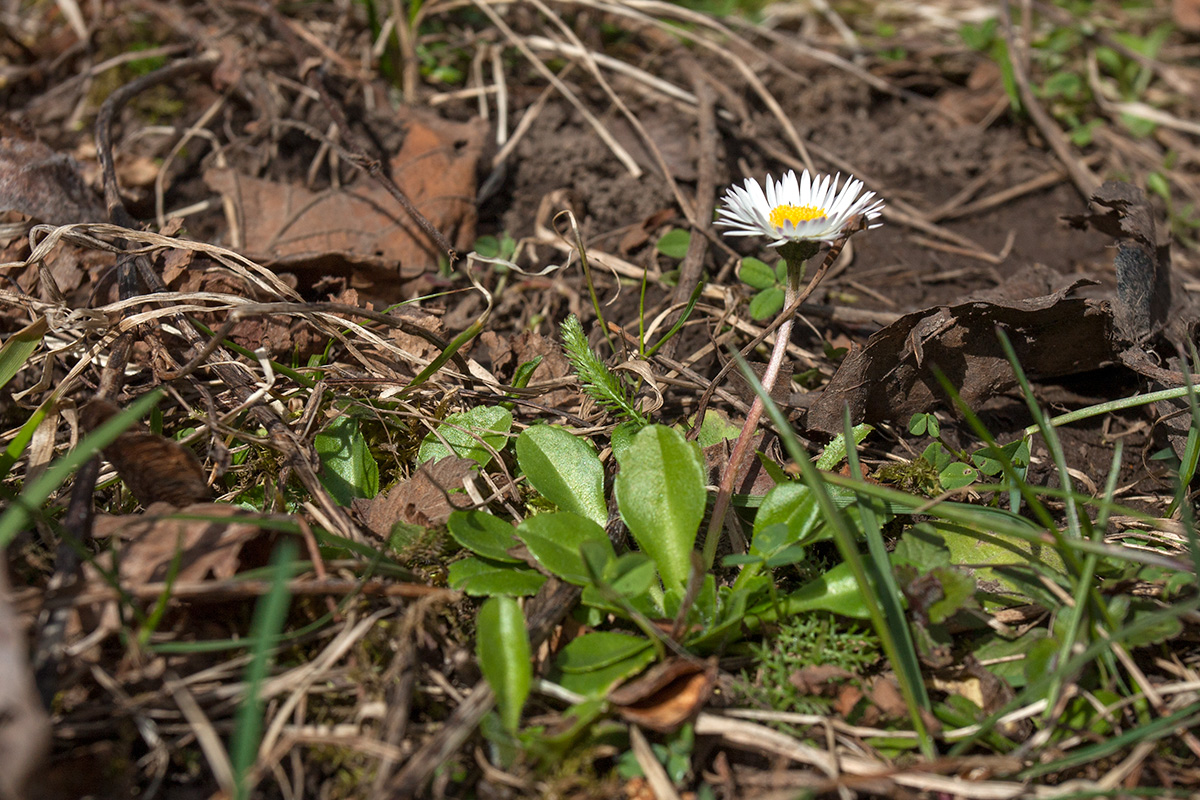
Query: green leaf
pixel 837 591
pixel 16 446
pixel 715 429
pixel 502 647
pixel 564 469
pixel 958 592
pixel 555 539
pixel 992 551
pixel 835 452
pixel 792 506
pixel 463 432
pixel 923 552
pixel 19 347
pixel 481 577
pixel 660 492
pixel 1155 183
pixel 766 303
pixel 631 575
pixel 484 534
pixel 674 243
pixel 524 372
pixel 988 460
pixel 622 437
pixel 592 663
pixel 487 246
pixel 957 475
pixel 756 274
pixel 919 424
pixel 348 470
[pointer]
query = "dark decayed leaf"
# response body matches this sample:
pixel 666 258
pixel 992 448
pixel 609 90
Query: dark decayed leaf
pixel 45 185
pixel 154 468
pixel 1143 298
pixel 890 379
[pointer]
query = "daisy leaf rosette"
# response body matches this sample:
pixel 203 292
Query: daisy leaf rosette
pixel 804 209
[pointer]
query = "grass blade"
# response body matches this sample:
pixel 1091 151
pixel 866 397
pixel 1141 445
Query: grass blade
pixel 270 613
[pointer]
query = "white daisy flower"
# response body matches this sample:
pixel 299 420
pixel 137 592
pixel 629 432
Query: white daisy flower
pixel 797 210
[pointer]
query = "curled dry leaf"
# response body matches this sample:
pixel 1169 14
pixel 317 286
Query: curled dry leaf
pixel 667 695
pixel 1053 332
pixel 154 468
pixel 891 378
pixel 424 499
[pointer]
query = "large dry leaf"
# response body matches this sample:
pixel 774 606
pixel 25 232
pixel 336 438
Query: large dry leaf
pixel 207 538
pixel 1053 333
pixel 362 224
pixel 24 726
pixel 1156 321
pixel 204 541
pixel 1143 302
pixel 891 378
pixel 45 185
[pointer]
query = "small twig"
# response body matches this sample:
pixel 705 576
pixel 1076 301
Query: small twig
pixel 706 188
pixel 1084 179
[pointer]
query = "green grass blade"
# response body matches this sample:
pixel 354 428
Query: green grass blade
pixel 34 494
pixel 16 447
pixel 270 613
pixel 19 347
pixel 887 609
pixel 1037 689
pixel 846 542
pixel 1185 718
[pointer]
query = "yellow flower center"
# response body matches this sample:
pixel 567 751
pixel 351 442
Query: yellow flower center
pixel 794 214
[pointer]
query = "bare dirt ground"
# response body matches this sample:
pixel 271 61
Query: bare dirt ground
pixel 242 168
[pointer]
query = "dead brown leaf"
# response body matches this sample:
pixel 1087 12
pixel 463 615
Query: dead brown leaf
pixel 45 185
pixel 207 537
pixel 153 467
pixel 362 225
pixel 528 346
pixel 756 482
pixel 424 499
pixel 891 378
pixel 410 343
pixel 1186 14
pixel 819 679
pixel 667 695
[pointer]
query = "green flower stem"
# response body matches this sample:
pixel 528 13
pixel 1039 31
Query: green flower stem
pixel 795 254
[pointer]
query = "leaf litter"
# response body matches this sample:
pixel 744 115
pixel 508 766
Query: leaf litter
pixel 267 307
